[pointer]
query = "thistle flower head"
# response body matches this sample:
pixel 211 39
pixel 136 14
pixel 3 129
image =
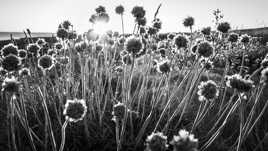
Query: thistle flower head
pixel 233 37
pixel 188 22
pixel 22 54
pixel 24 72
pixel 240 84
pixel 264 76
pixel 119 10
pixel 245 39
pixel 206 31
pixel 75 110
pixel 138 12
pixel 9 49
pixel 224 27
pixel 207 91
pixel 119 110
pixel 133 45
pixel 180 41
pixel 41 41
pixel 184 141
pixel 46 62
pixel 11 63
pixel 164 66
pixel 66 24
pixel 33 49
pixel 10 85
pixel 156 142
pixel 100 9
pixel 205 49
pixel 62 33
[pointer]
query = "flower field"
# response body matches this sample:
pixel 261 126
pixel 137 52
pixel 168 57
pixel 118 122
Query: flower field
pixel 202 90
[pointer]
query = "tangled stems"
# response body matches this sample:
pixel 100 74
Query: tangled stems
pixel 63 134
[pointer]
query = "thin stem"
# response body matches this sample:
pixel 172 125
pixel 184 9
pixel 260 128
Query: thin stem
pixel 63 134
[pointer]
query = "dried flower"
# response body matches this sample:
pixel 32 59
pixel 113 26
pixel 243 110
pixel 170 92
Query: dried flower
pixel 184 142
pixel 66 24
pixel 233 37
pixel 141 21
pixel 33 49
pixel 156 142
pixel 46 62
pixel 11 63
pixel 75 110
pixel 138 12
pixel 62 33
pixel 119 10
pixel 164 66
pixel 22 54
pixel 9 49
pixel 207 91
pixel 206 31
pixel 100 9
pixel 41 41
pixel 240 84
pixel 181 41
pixel 205 49
pixel 188 22
pixel 245 39
pixel 133 45
pixel 224 27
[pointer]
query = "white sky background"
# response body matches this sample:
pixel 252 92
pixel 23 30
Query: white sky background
pixel 45 15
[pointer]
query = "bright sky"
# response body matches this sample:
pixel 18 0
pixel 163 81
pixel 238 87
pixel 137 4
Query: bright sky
pixel 45 15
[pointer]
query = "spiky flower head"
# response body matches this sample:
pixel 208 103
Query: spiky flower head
pixel 75 110
pixel 245 39
pixel 62 33
pixel 100 9
pixel 11 63
pixel 264 76
pixel 119 110
pixel 133 45
pixel 224 27
pixel 206 31
pixel 205 49
pixel 119 9
pixel 208 91
pixel 41 41
pixel 156 142
pixel 180 41
pixel 9 49
pixel 240 84
pixel 188 22
pixel 141 21
pixel 163 66
pixel 184 141
pixel 11 85
pixel 138 12
pixel 66 24
pixel 33 49
pixel 24 72
pixel 233 37
pixel 46 62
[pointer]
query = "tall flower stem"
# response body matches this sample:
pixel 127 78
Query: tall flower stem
pixel 122 21
pixel 63 136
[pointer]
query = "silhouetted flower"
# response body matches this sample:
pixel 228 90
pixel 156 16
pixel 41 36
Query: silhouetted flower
pixel 181 41
pixel 133 45
pixel 141 21
pixel 62 33
pixel 224 27
pixel 156 142
pixel 66 24
pixel 41 41
pixel 100 9
pixel 233 37
pixel 119 10
pixel 163 66
pixel 245 39
pixel 9 49
pixel 75 110
pixel 205 49
pixel 138 12
pixel 11 63
pixel 10 85
pixel 240 84
pixel 33 49
pixel 184 142
pixel 45 62
pixel 206 31
pixel 58 46
pixel 207 91
pixel 188 22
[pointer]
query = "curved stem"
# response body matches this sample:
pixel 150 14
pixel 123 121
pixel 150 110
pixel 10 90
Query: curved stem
pixel 63 134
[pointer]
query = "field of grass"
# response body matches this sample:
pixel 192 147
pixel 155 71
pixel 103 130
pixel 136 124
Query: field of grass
pixel 200 91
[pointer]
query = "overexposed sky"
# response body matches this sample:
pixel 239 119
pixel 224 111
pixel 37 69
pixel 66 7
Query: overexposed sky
pixel 45 15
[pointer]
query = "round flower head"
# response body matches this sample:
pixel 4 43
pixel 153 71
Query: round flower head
pixel 240 84
pixel 45 62
pixel 133 45
pixel 206 31
pixel 233 37
pixel 184 141
pixel 22 54
pixel 188 22
pixel 181 41
pixel 157 23
pixel 10 85
pixel 156 142
pixel 41 41
pixel 75 110
pixel 119 10
pixel 205 49
pixel 245 39
pixel 24 72
pixel 264 76
pixel 207 91
pixel 141 21
pixel 163 67
pixel 62 33
pixel 119 110
pixel 100 9
pixel 33 49
pixel 11 63
pixel 224 27
pixel 9 49
pixel 138 12
pixel 66 24
pixel 58 46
